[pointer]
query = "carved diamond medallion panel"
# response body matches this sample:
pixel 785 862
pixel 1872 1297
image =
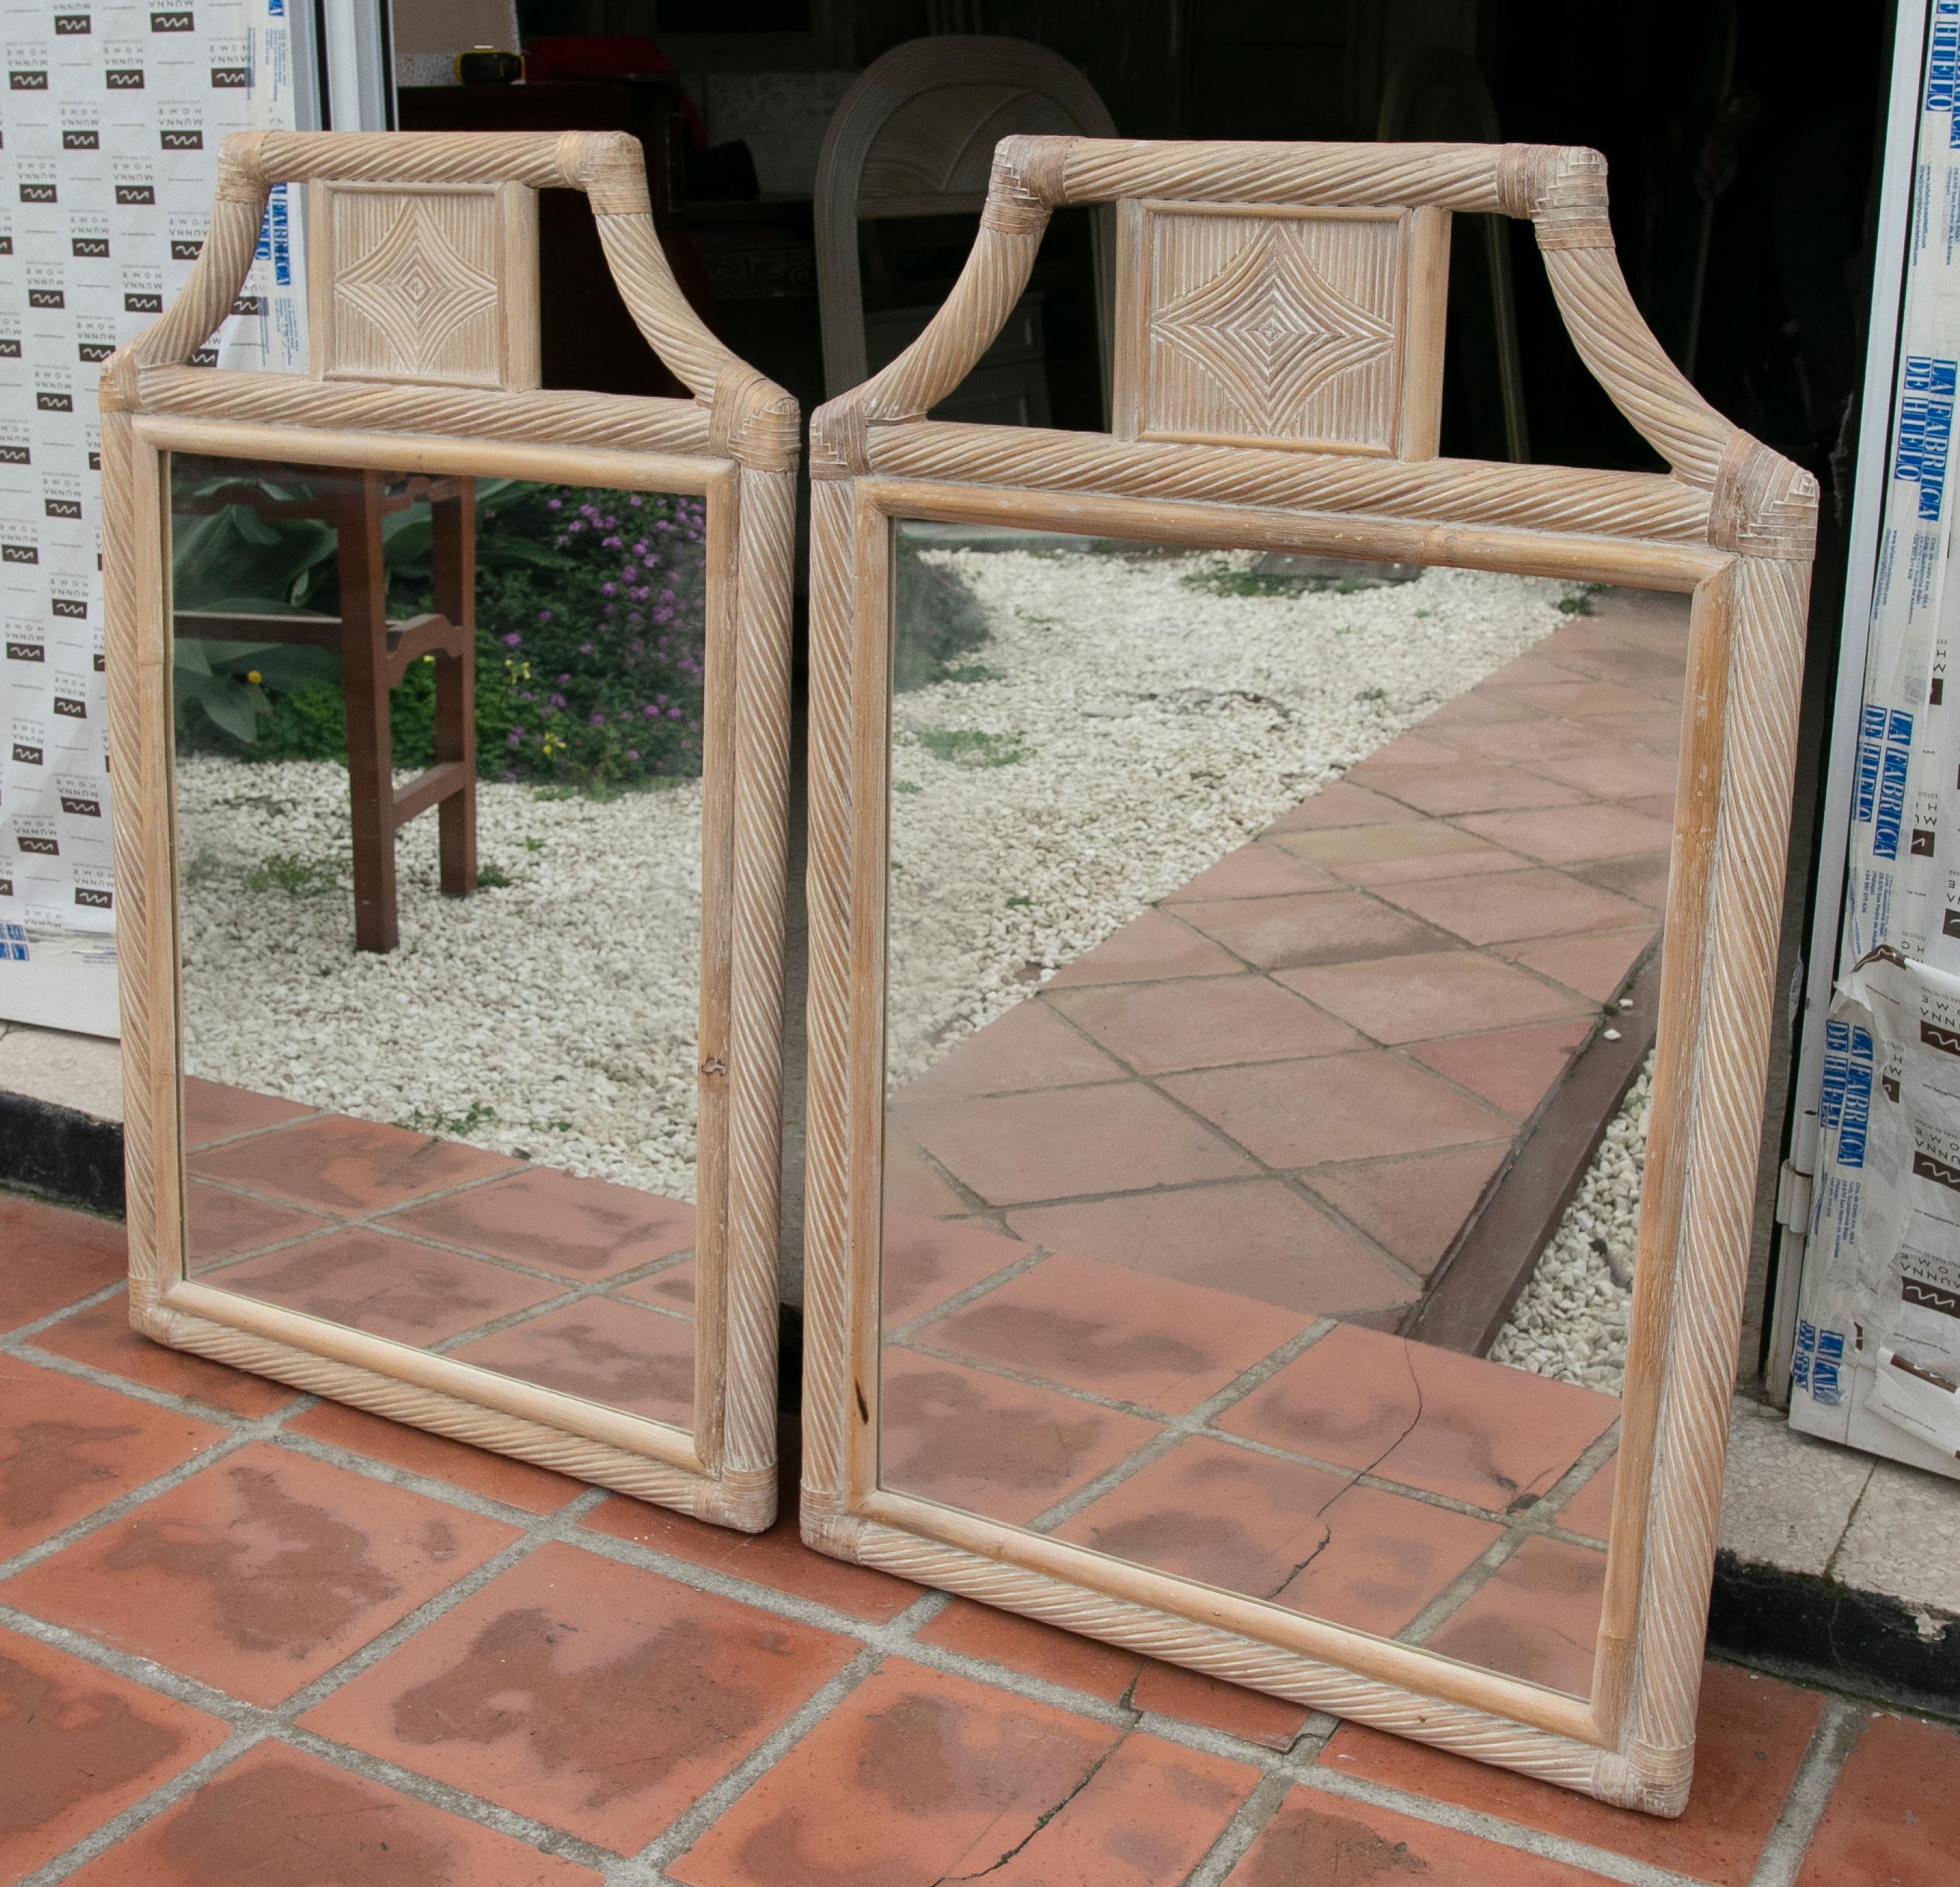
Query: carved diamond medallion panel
pixel 435 284
pixel 1279 328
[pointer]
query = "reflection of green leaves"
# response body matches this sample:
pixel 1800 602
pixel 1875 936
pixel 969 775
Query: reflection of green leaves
pixel 297 877
pixel 433 1120
pixel 937 617
pixel 1229 580
pixel 971 747
pixel 490 877
pixel 1579 603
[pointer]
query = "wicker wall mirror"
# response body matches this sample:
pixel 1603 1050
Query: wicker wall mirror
pixel 449 716
pixel 1156 1045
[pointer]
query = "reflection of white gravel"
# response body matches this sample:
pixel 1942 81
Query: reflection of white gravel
pixel 1571 1321
pixel 564 1003
pixel 1148 728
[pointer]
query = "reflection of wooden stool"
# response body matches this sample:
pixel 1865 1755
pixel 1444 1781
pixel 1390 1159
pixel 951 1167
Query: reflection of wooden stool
pixel 374 655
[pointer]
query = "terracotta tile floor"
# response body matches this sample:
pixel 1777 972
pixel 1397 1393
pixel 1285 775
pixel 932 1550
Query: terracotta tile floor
pixel 251 1640
pixel 1155 1228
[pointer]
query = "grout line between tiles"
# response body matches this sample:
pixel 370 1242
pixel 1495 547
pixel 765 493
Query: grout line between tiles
pixel 1831 1744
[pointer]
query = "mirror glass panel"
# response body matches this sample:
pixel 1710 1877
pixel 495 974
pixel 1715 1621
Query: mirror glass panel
pixel 438 780
pixel 1248 914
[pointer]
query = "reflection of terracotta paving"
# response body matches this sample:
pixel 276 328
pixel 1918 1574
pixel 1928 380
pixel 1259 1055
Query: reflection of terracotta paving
pixel 1294 1084
pixel 1087 1325
pixel 214 1111
pixel 340 1164
pixel 575 1228
pixel 1537 1616
pixel 1256 1237
pixel 1429 1418
pixel 388 1287
pixel 1590 1511
pixel 224 1225
pixel 621 1696
pixel 1159 1027
pixel 614 1354
pixel 1060 1142
pixel 1343 1107
pixel 970 1439
pixel 669 1288
pixel 1275 1530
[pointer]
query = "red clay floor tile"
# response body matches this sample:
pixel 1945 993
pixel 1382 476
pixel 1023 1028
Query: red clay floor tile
pixel 1597 965
pixel 222 1224
pixel 1537 1617
pixel 281 1816
pixel 573 1228
pixel 1470 1430
pixel 1893 1819
pixel 1151 947
pixel 54 1257
pixel 925 1261
pixel 343 1165
pixel 992 1446
pixel 911 1185
pixel 259 1573
pixel 778 1559
pixel 1254 871
pixel 1415 1206
pixel 1750 1738
pixel 1020 1148
pixel 100 1336
pixel 69 1448
pixel 1280 1530
pixel 1254 1238
pixel 1513 1068
pixel 1203 1022
pixel 371 1281
pixel 1034 1649
pixel 214 1110
pixel 1508 907
pixel 78 1745
pixel 1081 1324
pixel 495 1477
pixel 956 1779
pixel 1029 1046
pixel 1585 701
pixel 1339 1107
pixel 1317 1838
pixel 1195 1696
pixel 586 1694
pixel 1283 933
pixel 1446 992
pixel 615 1354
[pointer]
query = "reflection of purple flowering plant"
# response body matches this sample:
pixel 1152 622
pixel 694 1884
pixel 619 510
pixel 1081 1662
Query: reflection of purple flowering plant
pixel 626 668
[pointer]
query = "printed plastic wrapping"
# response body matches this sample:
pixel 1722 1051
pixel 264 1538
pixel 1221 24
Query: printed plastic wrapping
pixel 1877 1360
pixel 110 127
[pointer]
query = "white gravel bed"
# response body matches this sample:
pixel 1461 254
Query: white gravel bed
pixel 1147 728
pixel 1571 1321
pixel 556 1016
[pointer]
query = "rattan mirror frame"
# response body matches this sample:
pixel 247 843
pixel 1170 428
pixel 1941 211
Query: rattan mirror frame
pixel 734 443
pixel 1733 524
